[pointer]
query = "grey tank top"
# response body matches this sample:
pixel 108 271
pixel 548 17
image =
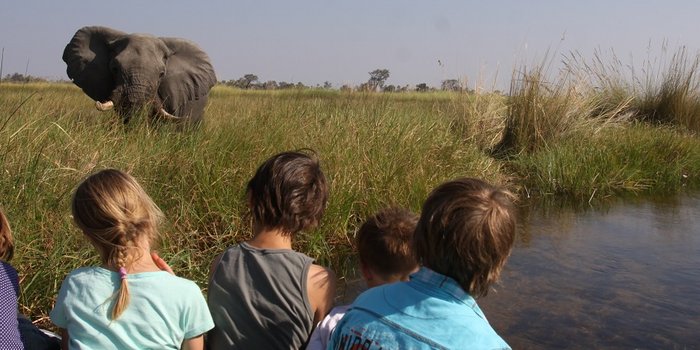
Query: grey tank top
pixel 259 300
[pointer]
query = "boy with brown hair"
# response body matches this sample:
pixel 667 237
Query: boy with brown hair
pixel 262 293
pixel 463 238
pixel 383 244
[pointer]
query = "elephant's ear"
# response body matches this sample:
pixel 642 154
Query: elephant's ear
pixel 188 71
pixel 88 55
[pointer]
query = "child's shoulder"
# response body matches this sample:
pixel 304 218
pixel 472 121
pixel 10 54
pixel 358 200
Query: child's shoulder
pixel 7 271
pixel 382 295
pixel 173 281
pixel 7 267
pixel 88 271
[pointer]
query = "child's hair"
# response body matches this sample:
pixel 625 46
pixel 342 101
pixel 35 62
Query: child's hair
pixel 384 243
pixel 115 213
pixel 288 192
pixel 7 247
pixel 466 231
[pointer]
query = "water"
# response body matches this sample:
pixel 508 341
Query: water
pixel 626 277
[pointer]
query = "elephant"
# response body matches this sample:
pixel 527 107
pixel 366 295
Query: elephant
pixel 168 77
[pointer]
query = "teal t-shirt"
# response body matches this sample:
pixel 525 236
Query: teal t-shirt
pixel 163 311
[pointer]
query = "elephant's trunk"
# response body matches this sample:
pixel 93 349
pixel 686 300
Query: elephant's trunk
pixel 104 106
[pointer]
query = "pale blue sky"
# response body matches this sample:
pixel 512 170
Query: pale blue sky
pixel 341 41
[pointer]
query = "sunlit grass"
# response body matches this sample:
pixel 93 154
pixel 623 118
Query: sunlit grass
pixel 558 136
pixel 375 149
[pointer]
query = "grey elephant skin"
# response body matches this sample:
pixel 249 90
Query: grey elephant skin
pixel 168 77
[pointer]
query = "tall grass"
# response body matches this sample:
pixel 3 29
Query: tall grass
pixel 542 111
pixel 577 133
pixel 664 91
pixel 617 161
pixel 566 135
pixel 375 149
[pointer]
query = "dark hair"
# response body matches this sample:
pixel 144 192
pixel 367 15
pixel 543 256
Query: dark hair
pixel 466 231
pixel 288 192
pixel 384 242
pixel 7 247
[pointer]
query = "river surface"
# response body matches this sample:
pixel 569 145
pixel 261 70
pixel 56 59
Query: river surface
pixel 623 277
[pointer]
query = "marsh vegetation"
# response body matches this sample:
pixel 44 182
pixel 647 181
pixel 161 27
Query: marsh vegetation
pixel 584 134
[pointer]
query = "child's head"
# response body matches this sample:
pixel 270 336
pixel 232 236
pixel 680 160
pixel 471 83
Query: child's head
pixel 288 192
pixel 116 214
pixel 466 231
pixel 7 247
pixel 384 246
pixel 118 217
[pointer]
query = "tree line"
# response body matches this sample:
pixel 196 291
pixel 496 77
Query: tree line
pixel 21 78
pixel 376 82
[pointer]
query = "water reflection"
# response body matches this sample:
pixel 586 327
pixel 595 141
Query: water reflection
pixel 622 276
pixel 625 276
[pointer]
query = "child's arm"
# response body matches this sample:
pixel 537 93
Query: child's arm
pixel 214 263
pixel 321 290
pixel 160 263
pixel 196 343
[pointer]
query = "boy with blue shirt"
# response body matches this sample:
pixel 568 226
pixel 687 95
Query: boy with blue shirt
pixel 463 238
pixel 385 252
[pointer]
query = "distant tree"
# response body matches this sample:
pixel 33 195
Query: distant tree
pixel 403 88
pixel 346 88
pixel 248 81
pixel 451 85
pixel 285 85
pixel 377 78
pixel 300 85
pixel 21 78
pixel 389 88
pixel 327 85
pixel 422 87
pixel 270 85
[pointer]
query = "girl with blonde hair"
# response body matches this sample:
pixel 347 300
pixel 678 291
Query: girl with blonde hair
pixel 128 302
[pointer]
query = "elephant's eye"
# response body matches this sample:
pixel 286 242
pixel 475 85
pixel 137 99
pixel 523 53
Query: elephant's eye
pixel 113 67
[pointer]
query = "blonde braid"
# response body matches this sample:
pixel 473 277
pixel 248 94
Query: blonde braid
pixel 121 250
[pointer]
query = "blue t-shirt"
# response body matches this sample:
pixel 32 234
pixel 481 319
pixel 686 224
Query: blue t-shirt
pixel 10 338
pixel 163 311
pixel 430 311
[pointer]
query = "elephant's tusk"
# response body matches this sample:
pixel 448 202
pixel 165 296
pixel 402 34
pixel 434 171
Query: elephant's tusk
pixel 165 115
pixel 104 106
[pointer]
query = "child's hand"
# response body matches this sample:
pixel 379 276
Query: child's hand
pixel 161 263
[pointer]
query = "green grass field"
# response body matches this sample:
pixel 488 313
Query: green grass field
pixel 377 149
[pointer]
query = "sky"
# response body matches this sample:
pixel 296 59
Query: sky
pixel 314 41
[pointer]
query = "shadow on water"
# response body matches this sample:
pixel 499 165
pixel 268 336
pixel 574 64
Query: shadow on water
pixel 624 275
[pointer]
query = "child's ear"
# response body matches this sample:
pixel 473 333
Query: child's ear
pixel 366 273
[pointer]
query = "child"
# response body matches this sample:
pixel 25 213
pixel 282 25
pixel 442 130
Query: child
pixel 127 302
pixel 16 331
pixel 384 248
pixel 9 291
pixel 262 293
pixel 463 238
